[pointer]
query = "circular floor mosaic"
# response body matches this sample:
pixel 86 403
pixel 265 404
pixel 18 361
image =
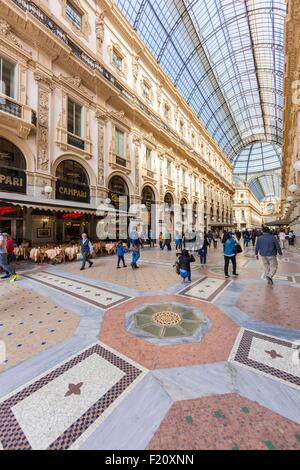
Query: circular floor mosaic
pixel 167 321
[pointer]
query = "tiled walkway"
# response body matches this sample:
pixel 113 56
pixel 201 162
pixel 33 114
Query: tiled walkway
pixel 111 358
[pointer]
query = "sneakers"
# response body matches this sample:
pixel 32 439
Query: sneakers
pixel 235 274
pixel 118 267
pixel 14 277
pixel 227 276
pixel 270 280
pixel 81 269
pixel 6 276
pixel 91 265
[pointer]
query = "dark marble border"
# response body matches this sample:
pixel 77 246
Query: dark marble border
pixel 80 297
pixel 12 436
pixel 242 356
pixel 212 296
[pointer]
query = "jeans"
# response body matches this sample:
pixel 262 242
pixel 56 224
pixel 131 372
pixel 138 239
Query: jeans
pixel 178 244
pixel 85 258
pixel 121 258
pixel 134 258
pixel 4 264
pixel 226 266
pixel 185 274
pixel 203 258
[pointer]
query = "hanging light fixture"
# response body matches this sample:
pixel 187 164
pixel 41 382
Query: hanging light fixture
pixel 297 165
pixel 289 198
pixel 293 188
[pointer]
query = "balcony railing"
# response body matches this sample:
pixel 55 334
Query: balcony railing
pixel 10 107
pixel 75 141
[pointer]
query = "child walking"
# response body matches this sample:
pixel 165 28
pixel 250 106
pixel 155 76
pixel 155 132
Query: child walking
pixel 121 250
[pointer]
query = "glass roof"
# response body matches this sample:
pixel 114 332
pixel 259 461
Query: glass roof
pixel 265 186
pixel 257 157
pixel 226 58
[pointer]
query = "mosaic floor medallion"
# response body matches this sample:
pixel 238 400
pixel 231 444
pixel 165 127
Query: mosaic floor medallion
pixel 166 323
pixel 61 408
pixel 268 355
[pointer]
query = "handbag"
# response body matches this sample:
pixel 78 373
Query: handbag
pixel 238 249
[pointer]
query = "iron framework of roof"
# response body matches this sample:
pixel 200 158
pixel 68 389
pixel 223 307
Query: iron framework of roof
pixel 226 58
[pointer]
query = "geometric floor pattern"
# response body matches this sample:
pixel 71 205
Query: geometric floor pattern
pixel 60 409
pixel 268 355
pixel 100 297
pixel 126 359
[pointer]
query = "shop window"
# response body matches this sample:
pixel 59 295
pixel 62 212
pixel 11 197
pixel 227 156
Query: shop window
pixel 12 168
pixel 72 182
pixel 7 78
pixel 74 15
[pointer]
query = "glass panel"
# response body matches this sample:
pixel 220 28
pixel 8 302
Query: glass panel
pixel 117 60
pixel 120 141
pixel 149 158
pixel 74 15
pixel 74 118
pixel 7 78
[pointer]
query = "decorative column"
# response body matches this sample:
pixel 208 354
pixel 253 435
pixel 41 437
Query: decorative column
pixel 137 143
pixel 45 87
pixel 99 32
pixel 100 117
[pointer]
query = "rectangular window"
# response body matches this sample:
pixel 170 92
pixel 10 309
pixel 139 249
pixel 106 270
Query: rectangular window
pixel 169 174
pixel 149 158
pixel 183 177
pixel 195 184
pixel 146 91
pixel 74 15
pixel 120 143
pixel 74 118
pixel 117 60
pixel 7 78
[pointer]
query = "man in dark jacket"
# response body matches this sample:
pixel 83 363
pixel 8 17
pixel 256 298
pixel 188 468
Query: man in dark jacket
pixel 86 251
pixel 184 261
pixel 268 247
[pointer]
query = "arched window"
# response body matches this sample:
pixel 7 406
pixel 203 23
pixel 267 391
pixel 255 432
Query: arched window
pixel 148 194
pixel 72 182
pixel 118 192
pixel 12 168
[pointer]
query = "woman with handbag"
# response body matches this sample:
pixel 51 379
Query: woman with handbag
pixel 230 250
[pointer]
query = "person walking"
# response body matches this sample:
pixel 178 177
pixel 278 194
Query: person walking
pixel 282 237
pixel 86 251
pixel 253 237
pixel 291 237
pixel 178 240
pixel 135 256
pixel 150 238
pixel 167 240
pixel 215 240
pixel 229 254
pixel 3 260
pixel 246 236
pixel 184 261
pixel 202 252
pixel 267 246
pixel 121 250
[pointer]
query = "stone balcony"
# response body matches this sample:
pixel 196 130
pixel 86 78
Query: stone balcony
pixel 17 116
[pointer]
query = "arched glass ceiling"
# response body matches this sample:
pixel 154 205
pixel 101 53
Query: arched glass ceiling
pixel 257 157
pixel 264 186
pixel 226 58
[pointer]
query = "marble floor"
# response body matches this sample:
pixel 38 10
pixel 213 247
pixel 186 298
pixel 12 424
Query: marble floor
pixel 110 358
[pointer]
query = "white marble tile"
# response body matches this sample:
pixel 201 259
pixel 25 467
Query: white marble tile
pixel 48 412
pixel 87 292
pixel 205 289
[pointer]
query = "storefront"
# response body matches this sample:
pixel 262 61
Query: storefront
pixel 72 184
pixel 119 197
pixel 148 199
pixel 12 180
